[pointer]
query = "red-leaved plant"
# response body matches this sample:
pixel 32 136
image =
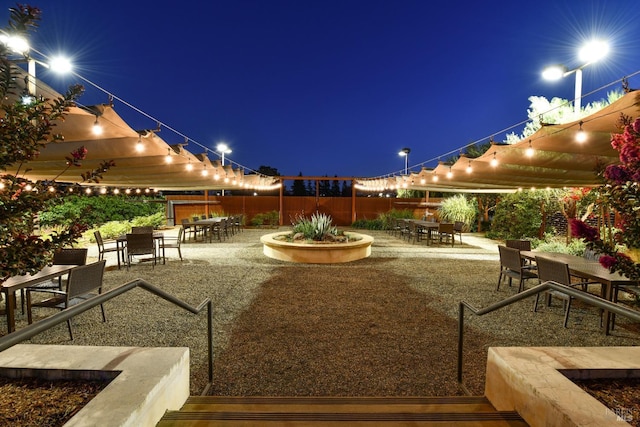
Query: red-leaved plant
pixel 620 191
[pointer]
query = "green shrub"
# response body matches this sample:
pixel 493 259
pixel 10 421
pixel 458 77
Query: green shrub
pixel 458 208
pixel 575 246
pixel 97 210
pixel 369 224
pixel 271 218
pixel 387 217
pixel 156 220
pixel 517 216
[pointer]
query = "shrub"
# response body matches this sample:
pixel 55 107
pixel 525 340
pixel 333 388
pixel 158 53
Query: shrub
pixel 387 217
pixel 517 216
pixel 369 224
pixel 97 210
pixel 458 208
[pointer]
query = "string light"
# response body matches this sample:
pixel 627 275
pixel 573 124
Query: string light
pixel 494 161
pixel 139 145
pixel 435 177
pixel 97 127
pixel 189 166
pixel 449 173
pixel 205 172
pixel 529 152
pixel 469 168
pixel 168 158
pixel 581 135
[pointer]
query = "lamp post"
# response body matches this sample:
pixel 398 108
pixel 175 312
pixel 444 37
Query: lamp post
pixel 589 53
pixel 405 153
pixel 222 149
pixel 19 45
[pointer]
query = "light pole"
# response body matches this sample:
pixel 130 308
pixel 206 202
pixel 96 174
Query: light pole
pixel 223 149
pixel 20 46
pixel 589 53
pixel 405 153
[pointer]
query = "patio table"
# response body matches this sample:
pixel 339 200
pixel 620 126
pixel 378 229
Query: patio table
pixel 590 270
pixel 426 227
pixel 15 283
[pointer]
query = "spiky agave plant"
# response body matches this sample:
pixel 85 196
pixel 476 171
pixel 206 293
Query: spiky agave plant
pixel 317 228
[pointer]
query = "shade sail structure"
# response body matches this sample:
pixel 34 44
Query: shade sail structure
pixel 558 160
pixel 148 168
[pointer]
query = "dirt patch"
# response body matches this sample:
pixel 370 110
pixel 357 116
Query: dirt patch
pixel 313 332
pixel 621 396
pixel 39 402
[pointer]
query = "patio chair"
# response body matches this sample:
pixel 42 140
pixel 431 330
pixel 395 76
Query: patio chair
pixel 554 271
pixel 65 256
pixel 446 232
pixel 511 266
pixel 187 229
pixel 84 282
pixel 172 243
pixel 103 248
pixel 523 245
pixel 139 245
pixel 458 228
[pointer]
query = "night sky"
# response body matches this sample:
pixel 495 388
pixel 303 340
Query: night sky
pixel 333 87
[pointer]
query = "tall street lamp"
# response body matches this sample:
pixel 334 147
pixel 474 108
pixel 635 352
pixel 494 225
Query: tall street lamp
pixel 589 53
pixel 405 153
pixel 222 149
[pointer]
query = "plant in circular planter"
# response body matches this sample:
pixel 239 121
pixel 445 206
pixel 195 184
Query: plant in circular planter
pixel 318 228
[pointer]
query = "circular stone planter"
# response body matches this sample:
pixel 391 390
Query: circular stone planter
pixel 317 253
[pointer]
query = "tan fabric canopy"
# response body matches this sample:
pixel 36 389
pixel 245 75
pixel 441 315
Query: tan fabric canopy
pixel 118 141
pixel 558 160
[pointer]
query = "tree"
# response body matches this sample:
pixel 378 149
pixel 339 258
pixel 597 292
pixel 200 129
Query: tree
pixel 298 188
pixel 268 171
pixel 25 129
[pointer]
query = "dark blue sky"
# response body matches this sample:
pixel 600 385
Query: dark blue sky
pixel 334 87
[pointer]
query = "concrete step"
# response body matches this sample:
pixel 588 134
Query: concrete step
pixel 320 411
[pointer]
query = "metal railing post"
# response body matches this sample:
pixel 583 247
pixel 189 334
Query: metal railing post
pixel 34 329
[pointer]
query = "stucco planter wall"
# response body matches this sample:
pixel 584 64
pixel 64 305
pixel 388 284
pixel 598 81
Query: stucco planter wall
pixel 317 253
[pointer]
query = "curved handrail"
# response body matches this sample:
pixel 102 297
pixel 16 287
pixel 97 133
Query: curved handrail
pixel 34 329
pixel 549 285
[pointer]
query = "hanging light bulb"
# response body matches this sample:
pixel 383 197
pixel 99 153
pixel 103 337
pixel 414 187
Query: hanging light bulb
pixel 435 177
pixel 423 181
pixel 494 161
pixel 469 168
pixel 139 145
pixel 449 173
pixel 168 158
pixel 116 191
pixel 97 127
pixel 581 135
pixel 529 152
pixel 205 172
pixel 189 166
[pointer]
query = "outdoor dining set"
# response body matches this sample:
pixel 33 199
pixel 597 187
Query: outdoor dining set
pixel 426 229
pixel 518 263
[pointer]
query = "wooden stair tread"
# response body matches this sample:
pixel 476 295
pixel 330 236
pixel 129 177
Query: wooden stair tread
pixel 338 404
pixel 464 411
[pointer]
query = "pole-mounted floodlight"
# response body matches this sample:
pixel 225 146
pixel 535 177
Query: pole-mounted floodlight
pixel 223 149
pixel 405 153
pixel 591 52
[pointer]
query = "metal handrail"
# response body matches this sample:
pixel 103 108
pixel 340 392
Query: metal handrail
pixel 549 285
pixel 34 329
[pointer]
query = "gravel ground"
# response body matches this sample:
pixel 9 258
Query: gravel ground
pixel 385 325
